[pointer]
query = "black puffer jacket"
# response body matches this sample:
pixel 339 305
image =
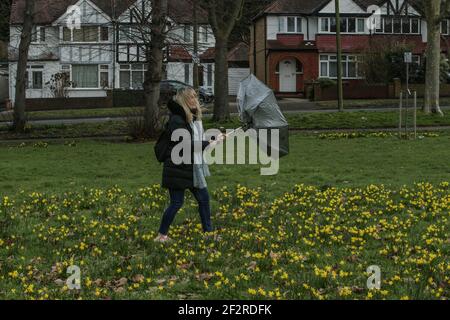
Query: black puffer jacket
pixel 178 176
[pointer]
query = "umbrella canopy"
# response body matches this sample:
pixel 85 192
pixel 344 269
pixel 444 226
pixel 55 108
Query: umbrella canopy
pixel 258 109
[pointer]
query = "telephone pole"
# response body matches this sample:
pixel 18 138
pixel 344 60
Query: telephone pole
pixel 339 58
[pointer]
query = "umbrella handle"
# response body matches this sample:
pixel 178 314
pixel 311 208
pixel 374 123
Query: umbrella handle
pixel 232 132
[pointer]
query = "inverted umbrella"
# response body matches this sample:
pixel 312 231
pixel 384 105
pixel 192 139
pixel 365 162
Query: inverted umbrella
pixel 258 109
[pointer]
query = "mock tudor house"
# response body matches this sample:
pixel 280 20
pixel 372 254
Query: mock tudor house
pixel 99 54
pixel 294 41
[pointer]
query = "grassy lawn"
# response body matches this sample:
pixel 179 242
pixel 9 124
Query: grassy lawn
pixel 336 162
pixel 308 233
pixel 302 121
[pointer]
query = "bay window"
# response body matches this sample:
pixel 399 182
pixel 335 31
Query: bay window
pixel 85 76
pixel 132 76
pixel 351 66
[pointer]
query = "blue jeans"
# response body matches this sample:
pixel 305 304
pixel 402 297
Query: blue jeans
pixel 176 202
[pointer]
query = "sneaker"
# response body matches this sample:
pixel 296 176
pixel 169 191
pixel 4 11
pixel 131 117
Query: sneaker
pixel 162 239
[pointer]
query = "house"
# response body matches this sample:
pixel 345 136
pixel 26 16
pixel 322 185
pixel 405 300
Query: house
pixel 92 42
pixel 294 41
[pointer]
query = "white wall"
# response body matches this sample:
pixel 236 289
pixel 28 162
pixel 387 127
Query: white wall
pixel 346 6
pixel 272 27
pixel 50 68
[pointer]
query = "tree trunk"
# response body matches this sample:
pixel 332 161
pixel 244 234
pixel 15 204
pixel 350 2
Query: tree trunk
pixel 155 57
pixel 24 46
pixel 221 104
pixel 432 81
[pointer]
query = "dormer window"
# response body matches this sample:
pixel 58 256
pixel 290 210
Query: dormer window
pixel 290 24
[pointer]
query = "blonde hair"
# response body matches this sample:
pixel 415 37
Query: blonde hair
pixel 182 98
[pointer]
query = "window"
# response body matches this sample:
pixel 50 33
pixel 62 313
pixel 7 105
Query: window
pixel 333 27
pixel 38 35
pixel 324 25
pixel 37 80
pixel 348 25
pixel 351 25
pixel 41 34
pixel 125 76
pixel 132 76
pixel 360 25
pixel 86 34
pixel 406 25
pixel 444 27
pixel 187 73
pixel 398 25
pixel 351 66
pixel 388 25
pixel 344 25
pixel 67 35
pixel 104 76
pixel 415 26
pixel 104 34
pixel 34 77
pixel 290 24
pixel 85 76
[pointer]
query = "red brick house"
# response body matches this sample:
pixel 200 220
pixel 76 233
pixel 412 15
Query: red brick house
pixel 293 41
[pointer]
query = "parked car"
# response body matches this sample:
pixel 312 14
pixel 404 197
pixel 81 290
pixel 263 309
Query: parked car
pixel 170 87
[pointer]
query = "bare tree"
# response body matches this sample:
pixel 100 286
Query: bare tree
pixel 24 46
pixel 223 16
pixel 434 11
pixel 155 58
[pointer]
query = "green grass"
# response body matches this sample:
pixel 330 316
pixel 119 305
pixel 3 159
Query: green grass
pixel 308 233
pixel 352 162
pixel 361 120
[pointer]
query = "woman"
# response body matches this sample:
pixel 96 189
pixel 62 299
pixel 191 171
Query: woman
pixel 186 114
